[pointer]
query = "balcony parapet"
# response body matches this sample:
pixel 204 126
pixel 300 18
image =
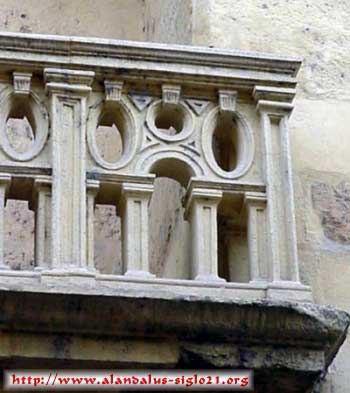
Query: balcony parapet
pixel 185 113
pixel 216 121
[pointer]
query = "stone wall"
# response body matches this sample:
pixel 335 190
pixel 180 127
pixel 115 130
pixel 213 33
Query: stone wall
pixel 318 32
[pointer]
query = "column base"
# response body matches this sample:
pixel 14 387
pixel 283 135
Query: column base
pixel 139 274
pixel 259 283
pixel 289 291
pixel 209 278
pixel 74 275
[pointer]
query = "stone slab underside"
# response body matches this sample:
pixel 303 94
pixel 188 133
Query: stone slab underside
pixel 288 345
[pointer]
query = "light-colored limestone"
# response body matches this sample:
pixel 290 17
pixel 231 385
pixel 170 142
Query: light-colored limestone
pixel 167 138
pixel 320 144
pixel 317 31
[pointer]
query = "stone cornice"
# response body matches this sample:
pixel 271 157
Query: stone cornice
pixel 172 314
pixel 200 64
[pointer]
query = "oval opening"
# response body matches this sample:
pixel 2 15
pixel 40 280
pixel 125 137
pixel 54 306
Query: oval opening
pixel 109 138
pixel 20 127
pixel 224 142
pixel 169 120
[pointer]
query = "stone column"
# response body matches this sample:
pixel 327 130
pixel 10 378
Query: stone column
pixel 42 207
pixel 134 205
pixel 5 181
pixel 275 107
pixel 68 92
pixel 92 190
pixel 201 211
pixel 255 206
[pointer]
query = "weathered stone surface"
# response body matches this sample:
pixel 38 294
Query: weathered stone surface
pixel 316 30
pixel 190 332
pixel 19 236
pixel 333 207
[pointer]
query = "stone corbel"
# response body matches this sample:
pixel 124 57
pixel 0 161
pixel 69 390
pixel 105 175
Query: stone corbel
pixel 113 90
pixel 171 94
pixel 22 83
pixel 227 101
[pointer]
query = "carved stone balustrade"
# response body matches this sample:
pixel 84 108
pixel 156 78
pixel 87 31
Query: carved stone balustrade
pixel 214 120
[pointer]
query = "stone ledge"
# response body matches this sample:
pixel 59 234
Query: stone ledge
pixel 199 64
pixel 297 341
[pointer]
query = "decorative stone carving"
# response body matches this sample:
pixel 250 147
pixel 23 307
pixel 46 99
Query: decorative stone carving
pixel 275 107
pixel 170 124
pixel 255 204
pixel 244 150
pixel 92 190
pixel 201 210
pixel 227 100
pixel 141 101
pixel 31 106
pixel 123 117
pixel 199 134
pixel 134 207
pixel 43 206
pixel 198 106
pixel 233 171
pixel 68 94
pixel 22 83
pixel 171 94
pixel 113 90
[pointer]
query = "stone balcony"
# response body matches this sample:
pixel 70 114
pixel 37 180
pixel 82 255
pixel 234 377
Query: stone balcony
pixel 216 122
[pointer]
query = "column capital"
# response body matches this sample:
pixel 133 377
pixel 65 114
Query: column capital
pixel 137 189
pixel 68 81
pixel 92 187
pixel 210 196
pixel 42 181
pixel 275 101
pixel 258 199
pixel 5 180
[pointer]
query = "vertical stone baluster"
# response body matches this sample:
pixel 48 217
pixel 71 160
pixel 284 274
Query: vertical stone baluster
pixel 134 205
pixel 255 205
pixel 5 181
pixel 42 207
pixel 201 210
pixel 68 92
pixel 92 190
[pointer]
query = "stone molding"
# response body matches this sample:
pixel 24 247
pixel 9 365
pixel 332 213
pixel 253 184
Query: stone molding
pixel 185 113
